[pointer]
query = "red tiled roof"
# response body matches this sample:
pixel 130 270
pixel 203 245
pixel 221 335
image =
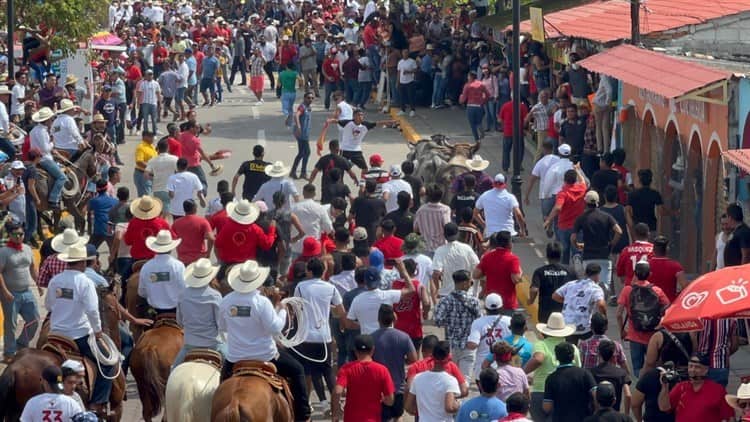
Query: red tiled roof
pixel 739 157
pixel 665 75
pixel 605 21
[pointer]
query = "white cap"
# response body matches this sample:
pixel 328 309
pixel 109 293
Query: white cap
pixel 395 170
pixel 591 197
pixel 493 301
pixel 73 365
pixel 564 150
pixel 499 178
pixel 350 21
pixel 17 165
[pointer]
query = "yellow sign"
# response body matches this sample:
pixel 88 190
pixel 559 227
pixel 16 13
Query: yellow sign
pixel 537 23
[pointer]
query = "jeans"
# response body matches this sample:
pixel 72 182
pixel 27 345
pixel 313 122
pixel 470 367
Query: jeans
pixel 352 89
pixel 287 104
pixel 163 196
pixel 464 359
pixel 23 304
pixel 311 80
pixel 637 356
pixel 329 88
pixel 142 183
pixel 605 277
pixel 507 148
pixel 475 114
pixel 303 154
pixel 268 68
pixel 122 109
pixel 438 90
pixel 547 205
pixel 719 375
pixel 102 386
pixel 31 220
pixel 148 111
pixel 536 408
pixel 394 99
pixel 198 171
pixel 238 64
pixel 221 348
pixel 219 90
pixel 408 92
pixel 55 172
pixel 124 267
pixel 126 344
pixel 374 55
pixel 563 236
pixel 363 93
pixel 490 112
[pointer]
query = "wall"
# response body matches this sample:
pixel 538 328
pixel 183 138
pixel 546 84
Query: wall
pixel 724 37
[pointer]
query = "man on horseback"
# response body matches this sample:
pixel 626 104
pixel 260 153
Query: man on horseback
pixel 65 131
pixel 161 280
pixel 39 138
pixel 251 321
pixel 73 305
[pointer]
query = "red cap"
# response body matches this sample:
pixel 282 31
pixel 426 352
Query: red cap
pixel 376 160
pixel 311 247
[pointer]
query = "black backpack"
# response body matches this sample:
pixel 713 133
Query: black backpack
pixel 645 309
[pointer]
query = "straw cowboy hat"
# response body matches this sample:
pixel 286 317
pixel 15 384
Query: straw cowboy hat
pixel 278 169
pixel 4 90
pixel 74 253
pixel 243 212
pixel 162 242
pixel 556 326
pixel 476 163
pixel 146 207
pixel 743 393
pixel 247 277
pixel 200 273
pixel 70 79
pixel 216 170
pixel 66 105
pixel 66 239
pixel 44 114
pixel 98 118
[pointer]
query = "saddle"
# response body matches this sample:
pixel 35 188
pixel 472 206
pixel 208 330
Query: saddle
pixel 206 356
pixel 265 371
pixel 167 320
pixel 66 348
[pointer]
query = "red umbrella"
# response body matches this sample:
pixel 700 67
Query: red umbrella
pixel 719 294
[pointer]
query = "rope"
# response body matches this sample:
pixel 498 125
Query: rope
pixel 113 359
pixel 296 306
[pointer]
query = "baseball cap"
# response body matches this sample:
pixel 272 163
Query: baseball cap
pixel 364 343
pixel 499 179
pixel 53 375
pixel 700 358
pixel 17 165
pixel 605 393
pixel 377 259
pixel 493 301
pixel 376 160
pixel 73 365
pixel 149 71
pixel 564 150
pixel 591 197
pixel 372 278
pixel 107 87
pixel 91 251
pixel 395 171
pixel 188 51
pixel 360 233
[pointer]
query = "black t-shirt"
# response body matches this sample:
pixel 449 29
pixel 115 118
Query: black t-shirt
pixel 569 389
pixel 614 374
pixel 644 202
pixel 29 174
pixel 573 133
pixel 107 108
pixel 547 279
pixel 368 211
pixel 255 176
pixel 404 221
pixel 597 227
pixel 608 415
pixel 463 200
pixel 739 239
pixel 603 178
pixel 336 190
pixel 416 186
pixel 324 165
pixel 649 385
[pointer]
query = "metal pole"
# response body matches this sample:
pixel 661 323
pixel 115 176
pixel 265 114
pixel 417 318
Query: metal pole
pixel 11 28
pixel 518 146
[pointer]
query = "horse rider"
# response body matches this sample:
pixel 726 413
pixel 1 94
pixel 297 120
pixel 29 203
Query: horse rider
pixel 73 305
pixel 65 131
pixel 39 138
pixel 52 265
pixel 161 280
pixel 251 321
pixel 198 310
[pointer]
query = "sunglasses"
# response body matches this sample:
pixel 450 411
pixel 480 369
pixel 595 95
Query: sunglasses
pixel 743 404
pixel 16 233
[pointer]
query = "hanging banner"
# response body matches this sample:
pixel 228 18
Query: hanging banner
pixel 537 23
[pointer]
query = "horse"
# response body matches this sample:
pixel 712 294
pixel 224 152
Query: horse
pixel 253 393
pixel 439 161
pixel 191 386
pixel 20 379
pixel 136 305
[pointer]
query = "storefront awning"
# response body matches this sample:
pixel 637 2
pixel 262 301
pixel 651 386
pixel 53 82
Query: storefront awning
pixel 659 73
pixel 739 157
pixel 505 17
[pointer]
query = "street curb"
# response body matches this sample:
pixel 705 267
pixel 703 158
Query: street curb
pixel 407 130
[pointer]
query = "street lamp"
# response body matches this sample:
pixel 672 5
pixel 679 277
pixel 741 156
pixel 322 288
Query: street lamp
pixel 518 146
pixel 11 27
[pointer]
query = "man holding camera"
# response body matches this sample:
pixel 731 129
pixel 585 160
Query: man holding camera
pixel 697 398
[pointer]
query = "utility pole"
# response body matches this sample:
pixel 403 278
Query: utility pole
pixel 635 22
pixel 11 28
pixel 518 146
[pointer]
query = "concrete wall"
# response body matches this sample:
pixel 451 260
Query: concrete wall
pixel 727 37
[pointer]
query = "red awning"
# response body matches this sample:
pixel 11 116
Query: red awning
pixel 739 157
pixel 665 75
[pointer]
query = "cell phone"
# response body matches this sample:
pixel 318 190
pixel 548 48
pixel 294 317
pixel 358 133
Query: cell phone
pixel 18 180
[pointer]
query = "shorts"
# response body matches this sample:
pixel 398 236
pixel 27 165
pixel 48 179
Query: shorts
pixel 314 351
pixel 207 83
pixel 168 101
pixel 256 83
pixel 179 95
pixel 356 157
pixel 395 411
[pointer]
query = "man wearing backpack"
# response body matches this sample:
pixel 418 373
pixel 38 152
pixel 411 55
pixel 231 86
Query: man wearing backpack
pixel 641 305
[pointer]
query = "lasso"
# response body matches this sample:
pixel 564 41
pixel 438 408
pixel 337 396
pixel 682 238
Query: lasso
pixel 113 359
pixel 295 306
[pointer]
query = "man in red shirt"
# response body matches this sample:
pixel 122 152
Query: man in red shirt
pixel 640 249
pixel 193 152
pixel 196 234
pixel 409 309
pixel 175 147
pixel 220 218
pixel 475 95
pixel 240 238
pixel 145 222
pixel 428 362
pixel 506 116
pixel 666 272
pixel 161 55
pixel 368 386
pixel 502 270
pixel 287 52
pixel 568 206
pixel 389 243
pixel 332 76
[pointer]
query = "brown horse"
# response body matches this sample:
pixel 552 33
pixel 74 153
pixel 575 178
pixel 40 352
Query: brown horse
pixel 136 305
pixel 20 380
pixel 253 396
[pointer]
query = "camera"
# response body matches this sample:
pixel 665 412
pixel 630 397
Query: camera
pixel 670 375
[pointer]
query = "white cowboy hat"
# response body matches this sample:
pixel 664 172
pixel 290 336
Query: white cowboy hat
pixel 74 253
pixel 278 169
pixel 146 207
pixel 162 242
pixel 66 105
pixel 476 163
pixel 200 273
pixel 4 90
pixel 66 239
pixel 243 212
pixel 743 393
pixel 556 326
pixel 44 114
pixel 247 277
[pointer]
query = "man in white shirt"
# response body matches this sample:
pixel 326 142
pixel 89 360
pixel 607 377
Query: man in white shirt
pixel 18 96
pixel 182 186
pixel 363 312
pixel 392 187
pixel 407 87
pixel 161 280
pixel 488 329
pixel 344 110
pixel 251 321
pixel 351 33
pixel 499 207
pixel 553 180
pixel 434 393
pixel 39 139
pixel 313 217
pixel 52 404
pixel 449 258
pixel 149 97
pixel 546 197
pixel 352 134
pixel 65 131
pixel 160 169
pixel 157 13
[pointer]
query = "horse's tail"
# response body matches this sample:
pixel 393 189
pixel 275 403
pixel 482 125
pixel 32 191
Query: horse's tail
pixel 154 386
pixel 7 399
pixel 231 413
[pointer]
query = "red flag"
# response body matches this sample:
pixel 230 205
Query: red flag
pixel 322 139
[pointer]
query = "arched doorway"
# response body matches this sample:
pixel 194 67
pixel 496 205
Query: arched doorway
pixel 691 207
pixel 714 191
pixel 648 134
pixel 672 173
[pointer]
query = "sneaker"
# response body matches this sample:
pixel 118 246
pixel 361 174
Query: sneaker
pixel 612 301
pixel 401 113
pixel 412 113
pixel 384 110
pixel 259 103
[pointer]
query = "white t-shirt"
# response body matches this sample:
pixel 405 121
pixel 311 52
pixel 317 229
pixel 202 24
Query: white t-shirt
pixel 404 66
pixel 481 335
pixel 185 185
pixel 321 296
pixel 18 92
pixel 579 302
pixel 424 269
pixel 364 308
pixel 250 321
pixel 353 134
pixel 365 72
pixel 555 176
pixel 498 206
pixel 162 166
pixel 430 389
pixel 393 187
pixel 161 281
pixel 184 72
pixel 540 169
pixel 47 407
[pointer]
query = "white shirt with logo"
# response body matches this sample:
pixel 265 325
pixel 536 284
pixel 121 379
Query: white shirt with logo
pixel 50 407
pixel 250 321
pixel 74 305
pixel 485 331
pixel 320 295
pixel 161 281
pixel 579 302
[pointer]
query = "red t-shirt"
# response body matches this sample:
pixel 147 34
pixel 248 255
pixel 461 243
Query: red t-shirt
pixel 570 199
pixel 622 196
pixel 664 274
pixel 133 73
pixel 160 54
pixel 629 256
pixel 175 147
pixel 506 115
pixel 497 266
pixel 331 69
pixel 192 229
pixel 390 246
pixel 631 333
pixel 218 220
pixel 706 404
pixel 366 383
pixel 287 54
pixel 237 242
pixel 427 364
pixel 190 148
pixel 369 36
pixel 408 311
pixel 137 232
